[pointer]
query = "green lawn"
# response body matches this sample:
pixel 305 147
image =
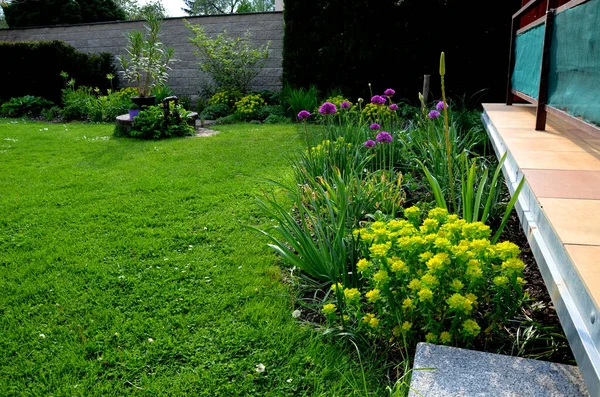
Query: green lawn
pixel 126 267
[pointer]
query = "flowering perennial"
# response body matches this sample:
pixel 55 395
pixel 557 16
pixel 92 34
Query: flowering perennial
pixel 439 280
pixel 328 108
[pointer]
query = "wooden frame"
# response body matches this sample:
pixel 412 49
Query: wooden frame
pixel 542 107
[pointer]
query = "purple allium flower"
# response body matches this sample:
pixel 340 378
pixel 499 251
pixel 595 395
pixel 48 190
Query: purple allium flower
pixel 440 106
pixel 374 126
pixel 370 143
pixel 434 114
pixel 327 108
pixel 378 100
pixel 384 137
pixel 345 105
pixel 303 115
pixel 389 92
pixel 393 106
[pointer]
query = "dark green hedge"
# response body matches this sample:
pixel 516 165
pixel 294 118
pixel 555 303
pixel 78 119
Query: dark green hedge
pixel 33 68
pixel 391 43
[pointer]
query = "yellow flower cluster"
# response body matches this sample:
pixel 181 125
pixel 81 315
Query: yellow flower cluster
pixel 371 320
pixel 372 112
pixel 425 279
pixel 249 105
pixel 227 97
pixel 329 309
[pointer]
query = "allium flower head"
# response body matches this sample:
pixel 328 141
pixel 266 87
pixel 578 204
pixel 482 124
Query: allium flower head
pixel 384 137
pixel 434 114
pixel 440 106
pixel 303 115
pixel 345 105
pixel 393 107
pixel 370 143
pixel 360 100
pixel 378 100
pixel 389 92
pixel 374 126
pixel 328 108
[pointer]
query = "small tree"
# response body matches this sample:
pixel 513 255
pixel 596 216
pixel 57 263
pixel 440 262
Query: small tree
pixel 147 63
pixel 231 62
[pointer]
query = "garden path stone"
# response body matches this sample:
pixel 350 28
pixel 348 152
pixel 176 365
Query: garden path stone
pixel 450 371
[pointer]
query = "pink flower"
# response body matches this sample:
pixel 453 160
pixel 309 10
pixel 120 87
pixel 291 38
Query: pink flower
pixel 370 143
pixel 378 100
pixel 384 137
pixel 303 115
pixel 328 108
pixel 393 107
pixel 434 114
pixel 374 126
pixel 345 105
pixel 389 92
pixel 440 106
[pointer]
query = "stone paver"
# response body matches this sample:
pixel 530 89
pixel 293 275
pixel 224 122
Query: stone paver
pixel 442 371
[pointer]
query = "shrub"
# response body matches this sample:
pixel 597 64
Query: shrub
pixel 268 110
pixel 294 100
pixel 147 62
pixel 344 54
pixel 86 103
pixel 227 97
pixel 231 119
pixel 34 69
pixel 249 106
pixel 439 280
pixel 231 62
pixel 152 123
pixel 162 91
pixel 51 113
pixel 213 112
pixel 277 119
pixel 27 105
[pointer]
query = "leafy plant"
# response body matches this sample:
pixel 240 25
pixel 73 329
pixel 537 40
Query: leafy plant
pixel 439 280
pixel 295 100
pixel 249 106
pixel 231 62
pixel 277 119
pixel 25 105
pixel 228 97
pixel 476 206
pixel 162 91
pixel 213 112
pixel 147 62
pixel 156 122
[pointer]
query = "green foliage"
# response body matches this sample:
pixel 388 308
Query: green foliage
pixel 35 67
pixel 440 280
pixel 330 47
pixel 217 7
pixel 249 106
pixel 134 10
pixel 86 103
pixel 50 114
pixel 228 97
pixel 153 123
pixel 269 110
pixel 161 91
pixel 294 100
pixel 277 119
pixel 147 62
pixel 27 105
pixel 231 119
pixel 232 63
pixel 23 13
pixel 214 112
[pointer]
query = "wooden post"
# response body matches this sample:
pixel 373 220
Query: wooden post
pixel 511 62
pixel 541 114
pixel 426 83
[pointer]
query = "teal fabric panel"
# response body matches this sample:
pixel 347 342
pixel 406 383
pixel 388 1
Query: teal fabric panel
pixel 574 79
pixel 528 61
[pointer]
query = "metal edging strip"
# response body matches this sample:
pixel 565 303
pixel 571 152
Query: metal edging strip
pixel 576 309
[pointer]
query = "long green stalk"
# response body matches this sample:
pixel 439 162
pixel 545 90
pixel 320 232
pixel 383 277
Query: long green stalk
pixel 448 147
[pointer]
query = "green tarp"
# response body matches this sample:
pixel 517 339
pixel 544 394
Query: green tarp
pixel 574 77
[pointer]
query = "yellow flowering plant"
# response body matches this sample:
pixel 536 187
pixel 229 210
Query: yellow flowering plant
pixel 249 106
pixel 439 280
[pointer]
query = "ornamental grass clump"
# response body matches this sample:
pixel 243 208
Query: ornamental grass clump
pixel 439 280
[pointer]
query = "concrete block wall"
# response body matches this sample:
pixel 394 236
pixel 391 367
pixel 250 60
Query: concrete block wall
pixel 185 78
